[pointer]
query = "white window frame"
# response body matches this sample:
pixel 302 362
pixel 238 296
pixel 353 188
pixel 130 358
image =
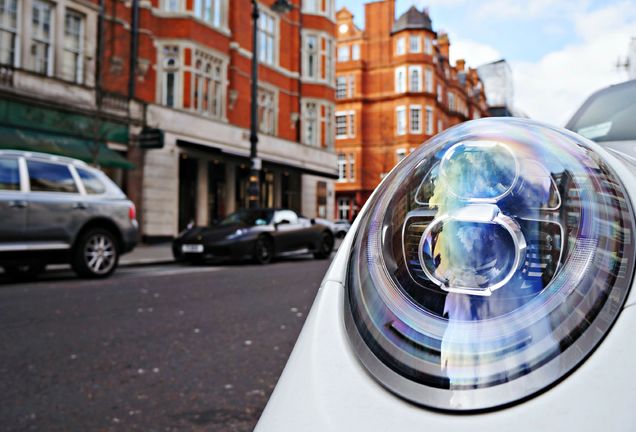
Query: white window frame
pixel 428 45
pixel 400 154
pixel 428 80
pixel 218 11
pixel 439 125
pixel 342 87
pixel 315 7
pixel 417 70
pixel 344 208
pixel 327 119
pixel 168 52
pixel 270 55
pixel 351 88
pixel 440 96
pixel 50 43
pixel 451 101
pixel 400 120
pixel 343 53
pixel 355 51
pixel 79 52
pixel 400 46
pixel 15 32
pixel 352 167
pixel 400 79
pixel 429 120
pixel 210 80
pixel 342 168
pixel 342 128
pixel 267 114
pixel 415 44
pixel 418 109
pixel 349 124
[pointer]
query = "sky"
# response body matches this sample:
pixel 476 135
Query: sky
pixel 560 51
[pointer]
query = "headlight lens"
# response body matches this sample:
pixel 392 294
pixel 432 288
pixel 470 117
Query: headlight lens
pixel 488 265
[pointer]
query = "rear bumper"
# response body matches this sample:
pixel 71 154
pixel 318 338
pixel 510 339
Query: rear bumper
pixel 130 237
pixel 226 250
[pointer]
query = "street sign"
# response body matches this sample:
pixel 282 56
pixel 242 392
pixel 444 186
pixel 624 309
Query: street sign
pixel 151 138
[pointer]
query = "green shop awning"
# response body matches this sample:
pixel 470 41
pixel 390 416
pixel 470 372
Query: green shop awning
pixel 63 145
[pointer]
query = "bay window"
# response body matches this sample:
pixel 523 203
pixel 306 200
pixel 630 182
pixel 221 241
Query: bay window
pixel 42 22
pixel 9 32
pixel 72 62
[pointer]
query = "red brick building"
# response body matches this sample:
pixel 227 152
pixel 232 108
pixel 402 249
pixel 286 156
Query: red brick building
pixel 395 88
pixel 193 79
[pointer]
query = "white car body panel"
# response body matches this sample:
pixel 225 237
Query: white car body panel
pixel 324 387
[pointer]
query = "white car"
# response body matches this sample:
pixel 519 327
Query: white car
pixel 485 286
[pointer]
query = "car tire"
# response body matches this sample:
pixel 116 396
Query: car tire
pixel 325 247
pixel 341 234
pixel 96 254
pixel 24 272
pixel 263 250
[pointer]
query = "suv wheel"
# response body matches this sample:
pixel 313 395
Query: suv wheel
pixel 95 254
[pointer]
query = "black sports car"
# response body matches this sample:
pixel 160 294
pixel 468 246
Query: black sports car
pixel 259 234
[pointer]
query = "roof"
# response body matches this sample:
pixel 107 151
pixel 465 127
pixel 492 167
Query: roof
pixel 413 19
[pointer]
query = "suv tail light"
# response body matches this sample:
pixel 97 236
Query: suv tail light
pixel 132 212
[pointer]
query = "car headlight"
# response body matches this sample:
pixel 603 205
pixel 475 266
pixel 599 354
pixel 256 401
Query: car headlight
pixel 488 265
pixel 236 234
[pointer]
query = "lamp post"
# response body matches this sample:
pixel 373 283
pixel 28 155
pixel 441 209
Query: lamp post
pixel 253 191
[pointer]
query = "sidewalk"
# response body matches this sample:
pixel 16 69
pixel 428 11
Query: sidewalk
pixel 148 254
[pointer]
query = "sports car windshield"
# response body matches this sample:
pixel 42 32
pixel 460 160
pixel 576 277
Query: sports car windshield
pixel 608 115
pixel 248 217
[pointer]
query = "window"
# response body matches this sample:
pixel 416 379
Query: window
pixel 170 66
pixel 310 121
pixel 207 84
pixel 49 177
pixel 355 52
pixel 317 124
pixel 9 175
pixel 429 120
pixel 400 154
pixel 344 208
pixel 352 167
pixel 440 126
pixel 415 78
pixel 428 79
pixel 341 87
pixel 416 119
pixel 343 53
pixel 72 67
pixel 267 30
pixel 92 184
pixel 352 85
pixel 211 11
pixel 439 93
pixel 41 36
pixel 428 46
pixel 342 167
pixel 267 111
pixel 400 79
pixel 345 124
pixel 318 7
pixel 451 101
pixel 317 54
pixel 8 32
pixel 171 5
pixel 400 120
pixel 415 44
pixel 341 125
pixel 400 46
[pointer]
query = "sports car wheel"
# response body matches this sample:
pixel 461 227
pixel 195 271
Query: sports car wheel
pixel 96 254
pixel 325 247
pixel 264 251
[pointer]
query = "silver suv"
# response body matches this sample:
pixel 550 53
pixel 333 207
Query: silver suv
pixel 59 210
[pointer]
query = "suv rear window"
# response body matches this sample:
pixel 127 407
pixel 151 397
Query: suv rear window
pixel 9 174
pixel 92 183
pixel 50 177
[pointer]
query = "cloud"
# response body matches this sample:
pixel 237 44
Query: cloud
pixel 553 88
pixel 474 53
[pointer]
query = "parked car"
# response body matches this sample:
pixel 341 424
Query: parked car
pixel 486 286
pixel 341 227
pixel 260 235
pixel 60 210
pixel 608 117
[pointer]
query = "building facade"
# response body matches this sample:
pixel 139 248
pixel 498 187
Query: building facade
pixel 48 95
pixel 192 76
pixel 395 88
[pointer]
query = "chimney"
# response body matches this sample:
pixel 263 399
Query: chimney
pixel 459 64
pixel 444 44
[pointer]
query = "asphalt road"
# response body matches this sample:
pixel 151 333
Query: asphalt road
pixel 156 348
